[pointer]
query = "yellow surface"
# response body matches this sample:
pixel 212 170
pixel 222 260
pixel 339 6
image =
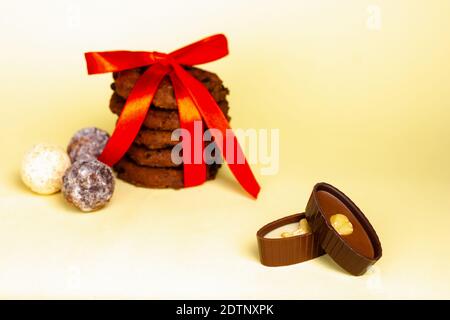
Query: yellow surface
pixel 364 108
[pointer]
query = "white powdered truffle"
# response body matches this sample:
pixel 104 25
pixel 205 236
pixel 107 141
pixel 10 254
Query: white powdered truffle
pixel 43 167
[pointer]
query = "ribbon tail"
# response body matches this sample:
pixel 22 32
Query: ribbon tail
pixel 133 114
pixel 214 118
pixel 192 125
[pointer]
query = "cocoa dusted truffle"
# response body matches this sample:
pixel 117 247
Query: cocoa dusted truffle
pixel 87 143
pixel 88 184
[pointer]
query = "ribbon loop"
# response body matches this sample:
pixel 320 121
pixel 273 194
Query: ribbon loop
pixel 203 51
pixel 113 61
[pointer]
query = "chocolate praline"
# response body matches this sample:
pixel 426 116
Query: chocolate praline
pixel 354 252
pixel 88 184
pixel 87 143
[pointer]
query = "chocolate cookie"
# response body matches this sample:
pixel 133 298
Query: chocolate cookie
pixel 149 177
pixel 151 158
pixel 158 118
pixel 160 157
pixel 154 139
pixel 164 98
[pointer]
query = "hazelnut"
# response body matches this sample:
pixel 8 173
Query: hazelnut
pixel 303 227
pixel 286 234
pixel 341 224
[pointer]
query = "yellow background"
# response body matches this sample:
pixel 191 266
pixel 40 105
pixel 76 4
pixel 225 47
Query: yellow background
pixel 366 110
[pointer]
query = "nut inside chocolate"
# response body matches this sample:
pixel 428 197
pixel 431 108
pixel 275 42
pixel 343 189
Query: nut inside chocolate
pixel 275 252
pixel 278 232
pixel 297 228
pixel 359 239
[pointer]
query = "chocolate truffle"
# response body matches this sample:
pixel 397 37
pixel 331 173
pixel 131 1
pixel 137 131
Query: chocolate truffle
pixel 88 184
pixel 87 143
pixel 43 167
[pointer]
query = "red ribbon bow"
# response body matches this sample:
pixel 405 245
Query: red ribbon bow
pixel 193 100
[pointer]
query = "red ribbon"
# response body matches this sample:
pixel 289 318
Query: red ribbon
pixel 193 100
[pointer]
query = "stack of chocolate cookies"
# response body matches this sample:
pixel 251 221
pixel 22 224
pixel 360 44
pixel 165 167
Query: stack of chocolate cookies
pixel 148 162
